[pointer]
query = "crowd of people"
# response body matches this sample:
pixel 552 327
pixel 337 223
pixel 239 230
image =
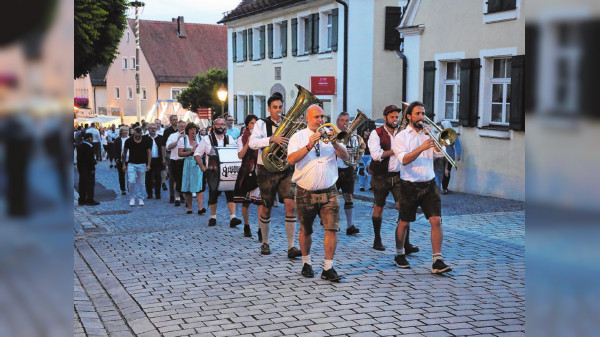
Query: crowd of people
pixel 181 158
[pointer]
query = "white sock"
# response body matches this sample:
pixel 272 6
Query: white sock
pixel 265 226
pixel 437 256
pixel 400 251
pixel 306 259
pixel 290 229
pixel 231 216
pixel 213 216
pixel 328 264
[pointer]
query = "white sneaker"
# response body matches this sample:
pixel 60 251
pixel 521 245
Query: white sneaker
pixel 141 202
pixel 132 201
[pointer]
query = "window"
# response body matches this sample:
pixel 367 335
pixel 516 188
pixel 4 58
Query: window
pixel 127 37
pixel 500 90
pixel 277 73
pixel 143 94
pixel 326 23
pixel 257 42
pixel 452 90
pixel 175 92
pixel 124 63
pixel 307 36
pixel 277 40
pixel 500 10
pixel 132 63
pixel 117 94
pixel 239 42
pixel 494 6
pixel 129 93
pixel 257 108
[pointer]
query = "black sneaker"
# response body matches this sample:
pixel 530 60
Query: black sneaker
pixel 171 199
pixel 265 249
pixel 401 261
pixel 259 235
pixel 352 230
pixel 92 203
pixel 177 203
pixel 157 197
pixel 440 267
pixel 307 270
pixel 201 211
pixel 377 245
pixel 247 231
pixel 294 253
pixel 234 222
pixel 331 275
pixel 212 222
pixel 409 249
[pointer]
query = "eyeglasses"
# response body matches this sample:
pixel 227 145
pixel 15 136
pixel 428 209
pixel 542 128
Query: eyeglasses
pixel 219 123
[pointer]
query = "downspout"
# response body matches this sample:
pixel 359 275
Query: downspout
pixel 95 104
pixel 345 84
pixel 404 67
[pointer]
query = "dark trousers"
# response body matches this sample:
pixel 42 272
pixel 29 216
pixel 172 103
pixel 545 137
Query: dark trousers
pixel 97 151
pixel 87 180
pixel 110 150
pixel 122 182
pixel 446 180
pixel 176 174
pixel 153 179
pixel 170 176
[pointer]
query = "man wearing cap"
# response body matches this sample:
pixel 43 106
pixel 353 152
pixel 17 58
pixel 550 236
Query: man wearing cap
pixel 386 173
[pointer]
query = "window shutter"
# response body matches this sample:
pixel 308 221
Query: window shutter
pixel 251 105
pixel 270 39
pixel 284 38
pixel 309 33
pixel 315 45
pixel 469 92
pixel 590 54
pixel 262 42
pixel 393 16
pixel 428 88
pixel 250 48
pixel 517 93
pixel 294 36
pixel 244 45
pixel 235 107
pixel 334 29
pixel 245 98
pixel 263 106
pixel 234 46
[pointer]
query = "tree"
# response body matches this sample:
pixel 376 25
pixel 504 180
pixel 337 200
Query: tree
pixel 99 25
pixel 202 91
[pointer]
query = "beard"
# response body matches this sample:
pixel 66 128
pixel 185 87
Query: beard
pixel 219 131
pixel 391 125
pixel 417 125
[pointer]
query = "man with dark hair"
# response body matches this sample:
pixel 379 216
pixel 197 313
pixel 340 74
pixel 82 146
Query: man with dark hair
pixel 158 161
pixel 345 180
pixel 416 150
pixel 136 158
pixel 386 172
pixel 172 128
pixel 274 184
pixel 86 167
pixel 96 141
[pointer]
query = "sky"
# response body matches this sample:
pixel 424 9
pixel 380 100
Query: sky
pixel 196 11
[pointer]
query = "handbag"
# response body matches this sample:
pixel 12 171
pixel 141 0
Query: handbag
pixel 250 181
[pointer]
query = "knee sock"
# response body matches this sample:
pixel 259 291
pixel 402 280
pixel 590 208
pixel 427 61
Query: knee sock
pixel 348 210
pixel 290 229
pixel 406 238
pixel 265 226
pixel 377 227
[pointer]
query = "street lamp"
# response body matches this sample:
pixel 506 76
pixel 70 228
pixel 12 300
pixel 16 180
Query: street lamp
pixel 222 94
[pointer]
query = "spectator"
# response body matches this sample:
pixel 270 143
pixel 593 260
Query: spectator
pixel 86 167
pixel 231 130
pixel 191 178
pixel 364 178
pixel 96 141
pixel 118 148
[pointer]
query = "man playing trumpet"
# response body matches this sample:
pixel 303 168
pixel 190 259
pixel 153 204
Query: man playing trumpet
pixel 416 150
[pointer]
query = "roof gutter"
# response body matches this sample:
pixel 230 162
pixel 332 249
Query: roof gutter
pixel 345 84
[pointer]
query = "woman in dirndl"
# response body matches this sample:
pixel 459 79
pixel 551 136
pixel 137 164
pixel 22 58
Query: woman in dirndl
pixel 246 189
pixel 191 179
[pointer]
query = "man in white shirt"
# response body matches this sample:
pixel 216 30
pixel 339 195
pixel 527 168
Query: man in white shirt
pixel 217 137
pixel 316 194
pixel 96 141
pixel 175 162
pixel 158 162
pixel 345 180
pixel 274 184
pixel 416 150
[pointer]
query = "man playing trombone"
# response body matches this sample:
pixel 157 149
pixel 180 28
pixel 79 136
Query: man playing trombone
pixel 416 150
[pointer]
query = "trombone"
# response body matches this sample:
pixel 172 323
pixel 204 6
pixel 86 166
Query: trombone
pixel 446 137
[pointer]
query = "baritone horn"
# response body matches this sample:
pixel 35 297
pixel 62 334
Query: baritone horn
pixel 446 137
pixel 354 142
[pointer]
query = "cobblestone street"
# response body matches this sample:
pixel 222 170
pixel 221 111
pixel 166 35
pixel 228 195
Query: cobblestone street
pixel 155 271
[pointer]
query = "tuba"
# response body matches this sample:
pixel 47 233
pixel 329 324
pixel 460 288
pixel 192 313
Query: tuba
pixel 354 143
pixel 274 156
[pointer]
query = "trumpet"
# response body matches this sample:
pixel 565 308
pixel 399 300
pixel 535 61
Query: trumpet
pixel 446 137
pixel 338 136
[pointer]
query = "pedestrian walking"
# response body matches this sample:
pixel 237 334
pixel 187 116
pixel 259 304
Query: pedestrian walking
pixel 137 164
pixel 158 161
pixel 86 167
pixel 191 181
pixel 119 148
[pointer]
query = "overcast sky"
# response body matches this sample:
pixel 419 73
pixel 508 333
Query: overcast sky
pixel 196 11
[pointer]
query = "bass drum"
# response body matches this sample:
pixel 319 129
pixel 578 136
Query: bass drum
pixel 223 167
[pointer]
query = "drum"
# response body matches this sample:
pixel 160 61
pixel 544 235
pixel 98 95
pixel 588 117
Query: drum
pixel 223 168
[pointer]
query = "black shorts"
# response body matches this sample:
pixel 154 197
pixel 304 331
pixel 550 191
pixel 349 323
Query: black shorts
pixel 345 180
pixel 383 185
pixel 424 194
pixel 272 184
pixel 213 196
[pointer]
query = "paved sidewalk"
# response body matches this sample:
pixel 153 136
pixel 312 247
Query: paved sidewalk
pixel 155 271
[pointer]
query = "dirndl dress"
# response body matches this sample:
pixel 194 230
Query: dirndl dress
pixel 241 192
pixel 191 180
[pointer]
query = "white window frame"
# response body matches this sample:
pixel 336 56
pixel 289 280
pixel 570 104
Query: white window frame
pixel 124 63
pixel 239 44
pixel 277 38
pixel 439 93
pixel 301 29
pixel 144 93
pixel 512 14
pixel 132 63
pixel 325 28
pixel 241 113
pixel 485 82
pixel 176 88
pixel 129 93
pixel 256 43
pixel 504 82
pixel 256 106
pixel 117 93
pixel 455 100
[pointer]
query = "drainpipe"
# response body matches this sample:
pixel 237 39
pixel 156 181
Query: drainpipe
pixel 345 85
pixel 404 67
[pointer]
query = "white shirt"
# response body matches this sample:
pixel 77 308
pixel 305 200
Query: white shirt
pixel 421 169
pixel 312 172
pixel 112 135
pixel 95 133
pixel 239 143
pixel 377 151
pixel 181 144
pixel 154 146
pixel 205 146
pixel 174 155
pixel 259 139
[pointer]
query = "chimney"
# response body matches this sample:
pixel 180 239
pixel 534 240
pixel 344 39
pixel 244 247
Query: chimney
pixel 180 27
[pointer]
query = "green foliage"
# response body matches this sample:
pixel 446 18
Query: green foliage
pixel 99 25
pixel 202 91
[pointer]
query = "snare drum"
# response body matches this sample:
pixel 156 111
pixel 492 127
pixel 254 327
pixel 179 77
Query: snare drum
pixel 223 168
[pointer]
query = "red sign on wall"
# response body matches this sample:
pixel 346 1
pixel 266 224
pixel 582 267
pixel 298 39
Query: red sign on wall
pixel 322 85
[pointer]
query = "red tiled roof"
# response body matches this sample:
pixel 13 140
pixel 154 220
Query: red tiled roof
pixel 251 7
pixel 179 60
